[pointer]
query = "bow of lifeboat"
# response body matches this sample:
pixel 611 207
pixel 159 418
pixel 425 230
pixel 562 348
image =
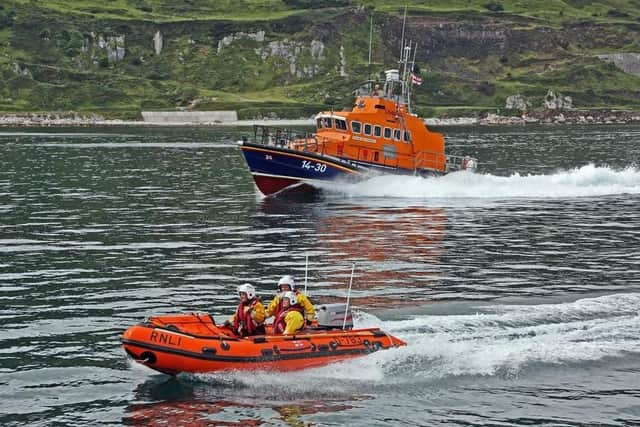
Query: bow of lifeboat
pixel 280 160
pixel 194 343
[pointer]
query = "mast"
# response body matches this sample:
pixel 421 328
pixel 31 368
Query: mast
pixel 413 64
pixel 405 51
pixel 405 72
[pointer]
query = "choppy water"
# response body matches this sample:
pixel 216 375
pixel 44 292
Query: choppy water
pixel 516 288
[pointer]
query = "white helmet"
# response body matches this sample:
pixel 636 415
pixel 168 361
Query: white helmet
pixel 291 296
pixel 248 289
pixel 287 280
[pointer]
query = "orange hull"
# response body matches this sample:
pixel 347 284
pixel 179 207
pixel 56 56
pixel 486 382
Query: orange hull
pixel 193 343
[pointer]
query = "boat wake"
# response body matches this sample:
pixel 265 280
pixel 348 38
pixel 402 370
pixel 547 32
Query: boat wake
pixel 585 181
pixel 497 340
pixel 504 339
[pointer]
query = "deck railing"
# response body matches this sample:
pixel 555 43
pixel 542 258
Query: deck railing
pixel 311 142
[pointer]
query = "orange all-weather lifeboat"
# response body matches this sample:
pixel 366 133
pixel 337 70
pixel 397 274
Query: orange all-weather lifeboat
pixel 379 135
pixel 194 343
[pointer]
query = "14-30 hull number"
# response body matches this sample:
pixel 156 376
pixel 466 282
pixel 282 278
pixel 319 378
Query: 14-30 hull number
pixel 314 166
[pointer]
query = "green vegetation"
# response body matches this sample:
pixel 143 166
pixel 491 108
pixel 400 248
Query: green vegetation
pixel 551 11
pixel 291 58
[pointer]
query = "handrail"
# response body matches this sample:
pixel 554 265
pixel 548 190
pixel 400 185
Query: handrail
pixel 457 163
pixel 311 142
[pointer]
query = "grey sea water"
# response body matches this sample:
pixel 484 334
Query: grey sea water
pixel 517 288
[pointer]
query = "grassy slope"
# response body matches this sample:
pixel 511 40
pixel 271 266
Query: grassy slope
pixel 170 10
pixel 549 11
pixel 188 70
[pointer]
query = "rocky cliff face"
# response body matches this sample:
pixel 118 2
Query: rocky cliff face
pixel 627 62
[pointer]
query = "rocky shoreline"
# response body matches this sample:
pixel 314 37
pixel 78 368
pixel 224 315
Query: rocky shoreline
pixel 546 117
pixel 538 117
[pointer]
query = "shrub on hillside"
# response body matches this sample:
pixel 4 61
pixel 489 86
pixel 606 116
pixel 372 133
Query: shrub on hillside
pixel 615 13
pixel 183 95
pixel 486 88
pixel 6 18
pixel 494 7
pixel 141 5
pixel 315 4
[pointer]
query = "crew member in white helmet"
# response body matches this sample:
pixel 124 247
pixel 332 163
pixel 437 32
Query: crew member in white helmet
pixel 286 283
pixel 290 319
pixel 249 316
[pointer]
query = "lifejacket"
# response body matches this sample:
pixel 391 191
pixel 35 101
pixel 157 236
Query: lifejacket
pixel 279 308
pixel 279 324
pixel 243 319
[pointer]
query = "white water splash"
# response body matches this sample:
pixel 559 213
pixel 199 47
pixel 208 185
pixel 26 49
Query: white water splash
pixel 586 181
pixel 507 338
pixel 503 339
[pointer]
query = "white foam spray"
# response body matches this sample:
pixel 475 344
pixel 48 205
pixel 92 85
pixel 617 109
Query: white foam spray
pixel 585 181
pixel 499 340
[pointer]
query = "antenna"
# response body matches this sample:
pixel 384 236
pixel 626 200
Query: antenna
pixel 306 270
pixel 346 310
pixel 370 37
pixel 410 83
pixel 404 20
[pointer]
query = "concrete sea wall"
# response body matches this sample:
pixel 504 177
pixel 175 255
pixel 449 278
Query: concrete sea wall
pixel 195 117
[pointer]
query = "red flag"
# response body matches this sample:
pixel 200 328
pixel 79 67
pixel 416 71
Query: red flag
pixel 416 80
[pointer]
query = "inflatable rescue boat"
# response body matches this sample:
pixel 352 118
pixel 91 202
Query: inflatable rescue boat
pixel 194 343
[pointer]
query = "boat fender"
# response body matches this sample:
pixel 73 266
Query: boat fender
pixel 148 357
pixel 224 345
pixel 333 345
pixel 313 347
pixel 276 350
pixel 377 345
pixel 366 343
pixel 209 350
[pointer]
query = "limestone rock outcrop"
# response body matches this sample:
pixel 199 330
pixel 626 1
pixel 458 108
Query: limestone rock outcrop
pixel 517 102
pixel 627 62
pixel 557 101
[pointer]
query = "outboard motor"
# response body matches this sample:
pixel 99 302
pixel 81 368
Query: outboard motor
pixel 332 316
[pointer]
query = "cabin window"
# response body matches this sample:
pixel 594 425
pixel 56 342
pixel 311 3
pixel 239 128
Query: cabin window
pixel 367 129
pixel 387 133
pixel 396 134
pixel 341 124
pixel 319 123
pixel 355 127
pixel 377 131
pixel 407 136
pixel 327 122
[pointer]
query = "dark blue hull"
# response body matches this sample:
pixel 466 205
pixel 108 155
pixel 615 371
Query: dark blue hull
pixel 276 169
